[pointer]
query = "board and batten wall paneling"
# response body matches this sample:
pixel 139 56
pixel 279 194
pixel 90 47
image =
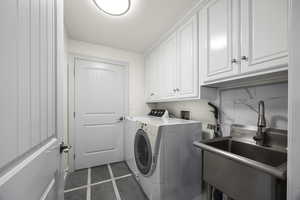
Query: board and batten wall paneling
pixel 24 76
pixel 35 71
pixel 8 81
pixel 27 79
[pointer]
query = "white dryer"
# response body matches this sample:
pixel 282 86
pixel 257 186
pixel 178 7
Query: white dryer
pixel 169 166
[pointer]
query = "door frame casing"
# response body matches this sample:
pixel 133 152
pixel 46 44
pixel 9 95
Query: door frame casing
pixel 71 97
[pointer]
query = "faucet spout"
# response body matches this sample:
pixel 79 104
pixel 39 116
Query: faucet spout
pixel 261 115
pixel 261 124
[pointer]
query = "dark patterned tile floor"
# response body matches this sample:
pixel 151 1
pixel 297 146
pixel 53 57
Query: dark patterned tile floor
pixel 129 189
pixel 76 179
pixel 107 182
pixel 100 173
pixel 79 194
pixel 120 169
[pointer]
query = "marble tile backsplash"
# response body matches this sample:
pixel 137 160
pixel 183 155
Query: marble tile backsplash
pixel 240 106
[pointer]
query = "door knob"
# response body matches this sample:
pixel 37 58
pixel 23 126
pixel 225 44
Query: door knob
pixel 121 118
pixel 64 148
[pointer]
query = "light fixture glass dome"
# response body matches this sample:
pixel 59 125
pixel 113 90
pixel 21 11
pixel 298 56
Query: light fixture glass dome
pixel 113 7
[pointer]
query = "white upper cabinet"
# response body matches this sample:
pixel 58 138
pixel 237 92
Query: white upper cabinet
pixel 240 38
pixel 218 39
pixel 168 68
pixel 264 26
pixel 188 73
pixel 228 40
pixel 175 61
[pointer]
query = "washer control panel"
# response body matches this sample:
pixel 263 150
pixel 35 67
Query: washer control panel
pixel 159 113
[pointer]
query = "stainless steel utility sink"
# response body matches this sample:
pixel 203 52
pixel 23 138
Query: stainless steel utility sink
pixel 244 170
pixel 270 160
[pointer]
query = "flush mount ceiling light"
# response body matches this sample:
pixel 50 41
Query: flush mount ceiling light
pixel 113 7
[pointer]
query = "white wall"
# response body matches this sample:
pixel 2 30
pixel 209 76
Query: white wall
pixel 199 109
pixel 137 101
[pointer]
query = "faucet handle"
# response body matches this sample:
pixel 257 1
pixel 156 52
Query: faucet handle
pixel 257 138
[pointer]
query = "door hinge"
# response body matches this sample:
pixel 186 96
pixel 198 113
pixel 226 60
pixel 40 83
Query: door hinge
pixel 74 115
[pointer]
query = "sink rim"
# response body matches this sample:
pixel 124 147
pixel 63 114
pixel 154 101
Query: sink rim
pixel 279 171
pixel 246 141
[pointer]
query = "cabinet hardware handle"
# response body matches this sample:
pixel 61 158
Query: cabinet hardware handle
pixel 174 90
pixel 234 61
pixel 177 89
pixel 244 58
pixel 152 94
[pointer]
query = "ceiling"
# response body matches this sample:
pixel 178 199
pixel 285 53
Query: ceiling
pixel 136 31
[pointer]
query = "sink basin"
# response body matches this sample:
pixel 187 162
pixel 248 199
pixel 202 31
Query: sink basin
pixel 260 154
pixel 244 170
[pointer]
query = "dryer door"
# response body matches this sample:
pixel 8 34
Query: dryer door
pixel 142 152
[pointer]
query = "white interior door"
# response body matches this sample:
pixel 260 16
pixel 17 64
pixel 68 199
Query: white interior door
pixel 100 90
pixel 30 159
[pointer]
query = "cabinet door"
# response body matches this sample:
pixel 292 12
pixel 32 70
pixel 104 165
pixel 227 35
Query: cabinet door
pixel 148 77
pixel 264 28
pixel 152 76
pixel 188 74
pixel 219 39
pixel 168 67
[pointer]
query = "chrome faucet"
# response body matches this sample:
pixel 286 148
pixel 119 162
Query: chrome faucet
pixel 261 124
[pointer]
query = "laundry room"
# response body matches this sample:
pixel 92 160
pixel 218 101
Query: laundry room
pixel 149 100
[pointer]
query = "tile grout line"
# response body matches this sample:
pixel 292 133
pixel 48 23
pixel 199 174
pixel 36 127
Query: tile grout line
pixel 88 191
pixel 96 183
pixel 90 184
pixel 124 176
pixel 114 182
pixel 76 188
pixel 101 182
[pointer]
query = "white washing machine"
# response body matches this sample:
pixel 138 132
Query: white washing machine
pixel 130 131
pixel 169 167
pixel 131 127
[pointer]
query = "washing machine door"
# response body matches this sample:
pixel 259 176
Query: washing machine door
pixel 142 152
